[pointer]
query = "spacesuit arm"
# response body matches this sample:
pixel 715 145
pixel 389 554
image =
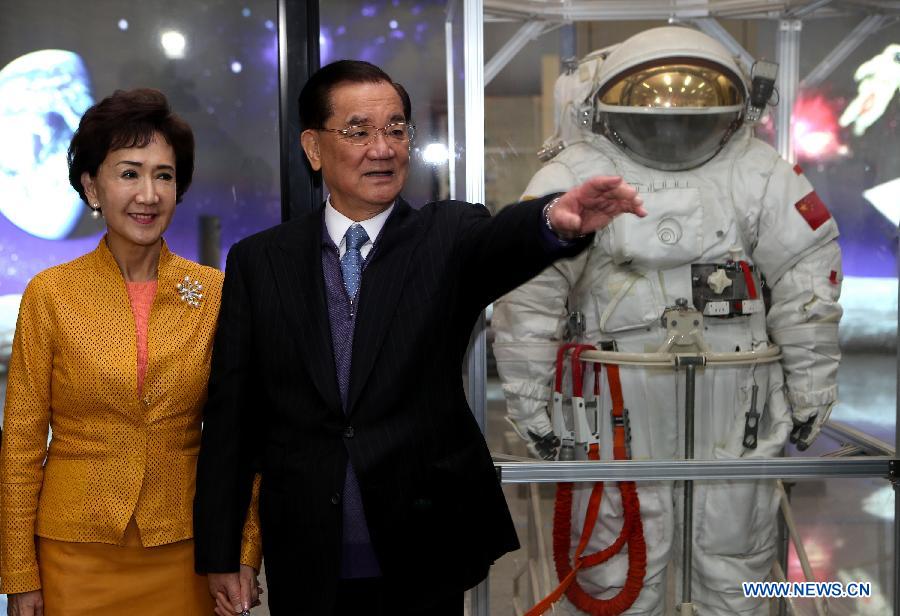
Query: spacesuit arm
pixel 806 285
pixel 529 325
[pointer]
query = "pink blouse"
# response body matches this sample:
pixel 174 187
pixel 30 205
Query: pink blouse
pixel 141 295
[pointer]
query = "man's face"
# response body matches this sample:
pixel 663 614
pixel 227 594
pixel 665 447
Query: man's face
pixel 362 179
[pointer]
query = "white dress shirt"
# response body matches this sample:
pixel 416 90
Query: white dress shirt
pixel 337 224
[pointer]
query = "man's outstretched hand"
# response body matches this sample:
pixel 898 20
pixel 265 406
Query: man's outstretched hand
pixel 593 205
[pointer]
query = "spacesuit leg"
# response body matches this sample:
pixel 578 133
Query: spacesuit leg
pixel 720 569
pixel 735 521
pixel 566 608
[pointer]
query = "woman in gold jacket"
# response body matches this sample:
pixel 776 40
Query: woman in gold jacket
pixel 112 353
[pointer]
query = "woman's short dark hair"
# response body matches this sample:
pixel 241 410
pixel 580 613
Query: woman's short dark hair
pixel 315 97
pixel 130 119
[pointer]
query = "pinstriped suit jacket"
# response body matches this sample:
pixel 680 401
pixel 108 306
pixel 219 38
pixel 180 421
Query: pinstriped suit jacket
pixel 435 510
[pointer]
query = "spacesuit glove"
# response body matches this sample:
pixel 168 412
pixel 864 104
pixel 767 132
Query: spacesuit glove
pixel 807 425
pixel 544 447
pixel 538 436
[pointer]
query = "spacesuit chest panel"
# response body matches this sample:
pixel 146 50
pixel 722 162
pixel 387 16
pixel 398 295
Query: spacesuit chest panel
pixel 670 235
pixel 650 258
pixel 680 227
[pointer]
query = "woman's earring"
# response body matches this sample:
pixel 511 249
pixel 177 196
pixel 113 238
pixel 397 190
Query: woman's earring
pixel 95 211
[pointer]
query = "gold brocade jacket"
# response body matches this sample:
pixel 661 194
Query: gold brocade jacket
pixel 113 454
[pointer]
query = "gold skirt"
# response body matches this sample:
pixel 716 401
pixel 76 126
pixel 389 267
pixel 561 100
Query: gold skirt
pixel 99 579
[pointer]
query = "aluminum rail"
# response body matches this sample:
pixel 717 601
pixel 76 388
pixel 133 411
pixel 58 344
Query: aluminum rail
pixel 473 67
pixel 524 470
pixel 847 45
pixel 895 582
pixel 802 11
pixel 451 100
pixel 787 51
pixel 713 28
pixel 591 10
pixel 770 354
pixel 476 360
pixel 529 31
pixel 846 435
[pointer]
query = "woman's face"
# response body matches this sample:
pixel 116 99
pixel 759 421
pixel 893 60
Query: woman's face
pixel 135 188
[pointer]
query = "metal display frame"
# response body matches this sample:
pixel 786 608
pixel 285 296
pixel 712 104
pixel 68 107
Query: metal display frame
pixel 539 16
pixel 298 58
pixel 513 470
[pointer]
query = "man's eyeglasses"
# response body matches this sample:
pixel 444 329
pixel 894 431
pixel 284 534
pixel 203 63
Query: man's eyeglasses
pixel 364 134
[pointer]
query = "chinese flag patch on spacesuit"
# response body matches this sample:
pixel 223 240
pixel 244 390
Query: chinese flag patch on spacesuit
pixel 813 210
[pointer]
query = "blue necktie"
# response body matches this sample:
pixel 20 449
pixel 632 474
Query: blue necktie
pixel 352 261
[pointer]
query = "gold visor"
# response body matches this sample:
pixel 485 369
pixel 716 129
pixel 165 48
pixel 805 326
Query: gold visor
pixel 675 86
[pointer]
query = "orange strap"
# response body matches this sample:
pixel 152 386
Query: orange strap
pixel 620 438
pixel 560 356
pixel 632 527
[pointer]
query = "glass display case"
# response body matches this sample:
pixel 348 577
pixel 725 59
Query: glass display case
pixel 834 115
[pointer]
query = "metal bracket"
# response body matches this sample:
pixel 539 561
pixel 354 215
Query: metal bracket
pixel 575 325
pixel 684 331
pixel 624 422
pixel 586 115
pixel 547 152
pixel 608 345
pixel 690 360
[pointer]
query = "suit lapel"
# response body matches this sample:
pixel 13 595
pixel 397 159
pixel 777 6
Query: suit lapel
pixel 382 283
pixel 297 266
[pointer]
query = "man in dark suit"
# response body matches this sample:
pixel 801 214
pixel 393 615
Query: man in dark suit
pixel 336 373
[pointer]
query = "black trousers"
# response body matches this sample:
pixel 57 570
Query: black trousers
pixel 366 596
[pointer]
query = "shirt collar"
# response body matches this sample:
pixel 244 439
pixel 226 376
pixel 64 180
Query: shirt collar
pixel 337 224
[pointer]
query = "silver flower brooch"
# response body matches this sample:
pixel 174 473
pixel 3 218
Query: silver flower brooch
pixel 191 292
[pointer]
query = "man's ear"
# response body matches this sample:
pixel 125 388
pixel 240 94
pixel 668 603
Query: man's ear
pixel 90 189
pixel 310 142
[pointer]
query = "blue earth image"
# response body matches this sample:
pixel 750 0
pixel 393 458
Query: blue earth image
pixel 43 95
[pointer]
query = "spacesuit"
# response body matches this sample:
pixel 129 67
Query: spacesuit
pixel 667 112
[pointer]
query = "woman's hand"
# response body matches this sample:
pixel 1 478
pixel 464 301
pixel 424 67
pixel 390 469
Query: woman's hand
pixel 235 593
pixel 250 588
pixel 25 604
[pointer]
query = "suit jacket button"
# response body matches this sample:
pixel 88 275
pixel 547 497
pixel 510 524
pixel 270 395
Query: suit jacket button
pixel 348 432
pixel 335 498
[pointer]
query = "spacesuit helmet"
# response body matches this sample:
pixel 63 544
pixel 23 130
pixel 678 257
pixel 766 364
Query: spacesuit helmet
pixel 670 98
